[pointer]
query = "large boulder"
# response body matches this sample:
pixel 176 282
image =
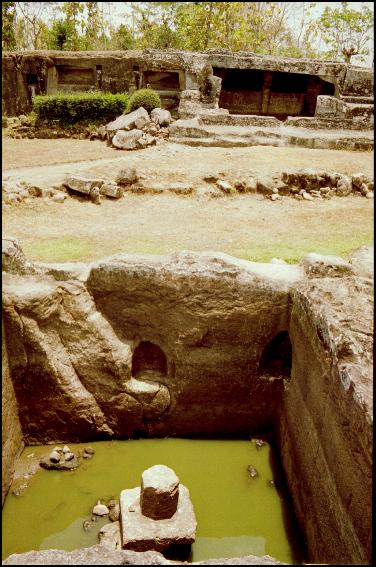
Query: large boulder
pixel 161 116
pixel 127 140
pixel 128 121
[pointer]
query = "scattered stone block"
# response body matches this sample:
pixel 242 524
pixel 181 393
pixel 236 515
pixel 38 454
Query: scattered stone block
pixel 126 140
pixel 127 121
pixel 127 176
pixel 82 184
pixel 344 186
pixel 100 509
pixel 111 190
pixel 109 535
pixel 161 116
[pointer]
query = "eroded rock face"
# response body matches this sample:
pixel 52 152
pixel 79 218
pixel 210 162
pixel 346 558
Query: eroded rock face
pixel 77 347
pixel 99 555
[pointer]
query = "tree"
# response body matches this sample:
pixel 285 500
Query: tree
pixel 123 38
pixel 346 31
pixel 8 12
pixel 61 36
pixel 31 28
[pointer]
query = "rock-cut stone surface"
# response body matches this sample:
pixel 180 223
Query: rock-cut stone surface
pixel 101 555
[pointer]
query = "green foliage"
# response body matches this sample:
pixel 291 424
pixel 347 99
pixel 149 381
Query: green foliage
pixel 123 38
pixel 72 108
pixel 8 13
pixel 61 36
pixel 147 98
pixel 346 31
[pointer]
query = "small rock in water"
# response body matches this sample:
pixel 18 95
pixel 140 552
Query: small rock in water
pixel 89 450
pixel 115 513
pixel 252 472
pixel 259 443
pixel 100 509
pixel 87 525
pixel 66 449
pixel 54 456
pixel 271 483
pixel 112 503
pixel 58 449
pixel 69 456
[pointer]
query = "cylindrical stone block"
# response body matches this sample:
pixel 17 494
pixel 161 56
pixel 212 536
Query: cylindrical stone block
pixel 159 492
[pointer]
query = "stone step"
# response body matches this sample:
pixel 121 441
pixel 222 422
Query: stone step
pixel 358 99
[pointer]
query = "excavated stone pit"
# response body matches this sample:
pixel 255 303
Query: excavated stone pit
pixel 202 344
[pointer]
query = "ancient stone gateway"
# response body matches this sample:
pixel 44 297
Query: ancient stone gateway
pixel 203 344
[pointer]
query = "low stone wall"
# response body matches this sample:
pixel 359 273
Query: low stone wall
pixel 12 438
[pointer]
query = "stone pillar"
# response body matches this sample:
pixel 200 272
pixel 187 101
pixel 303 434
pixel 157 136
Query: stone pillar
pixel 268 77
pixel 159 492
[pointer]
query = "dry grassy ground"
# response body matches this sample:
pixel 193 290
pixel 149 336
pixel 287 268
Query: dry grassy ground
pixel 246 226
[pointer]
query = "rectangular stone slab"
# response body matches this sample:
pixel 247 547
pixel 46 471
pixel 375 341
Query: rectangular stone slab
pixel 140 533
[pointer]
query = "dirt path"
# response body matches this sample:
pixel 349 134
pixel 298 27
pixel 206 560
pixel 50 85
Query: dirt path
pixel 22 159
pixel 246 226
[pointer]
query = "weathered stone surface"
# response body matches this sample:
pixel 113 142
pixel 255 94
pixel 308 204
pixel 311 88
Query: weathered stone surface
pixel 111 190
pixel 12 438
pixel 128 121
pixel 67 462
pixel 95 555
pixel 316 265
pixel 13 259
pixel 109 535
pixel 127 140
pixel 159 492
pixel 325 426
pixel 189 127
pixel 141 533
pixel 344 186
pixel 54 456
pixel 82 184
pixel 101 555
pixel 224 186
pixel 363 262
pixel 67 340
pixel 127 176
pixel 114 514
pixel 100 509
pixel 161 116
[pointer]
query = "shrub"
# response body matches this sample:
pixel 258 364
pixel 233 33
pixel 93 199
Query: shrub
pixel 147 98
pixel 71 108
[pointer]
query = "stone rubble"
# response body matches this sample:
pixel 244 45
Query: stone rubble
pixel 302 184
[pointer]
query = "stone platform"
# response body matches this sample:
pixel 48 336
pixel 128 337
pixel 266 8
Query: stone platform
pixel 141 533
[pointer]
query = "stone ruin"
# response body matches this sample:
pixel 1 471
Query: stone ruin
pixel 203 344
pixel 160 497
pixel 219 97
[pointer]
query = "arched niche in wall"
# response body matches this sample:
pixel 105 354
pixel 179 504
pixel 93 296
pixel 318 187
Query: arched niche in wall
pixel 276 358
pixel 148 357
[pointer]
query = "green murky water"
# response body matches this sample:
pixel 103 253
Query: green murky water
pixel 236 515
